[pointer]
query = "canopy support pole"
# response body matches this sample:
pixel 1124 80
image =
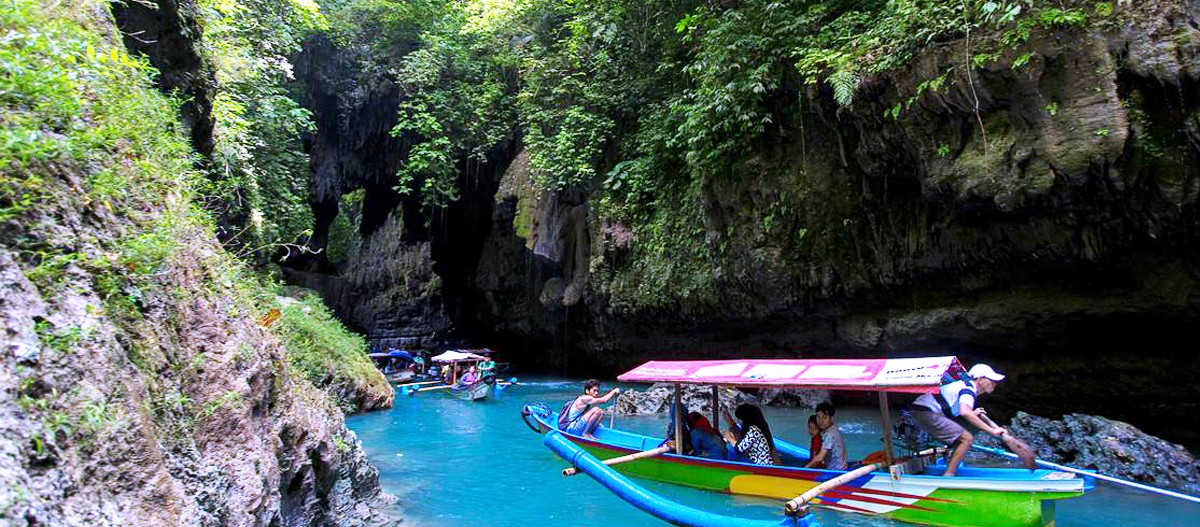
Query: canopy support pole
pixel 886 419
pixel 676 410
pixel 716 406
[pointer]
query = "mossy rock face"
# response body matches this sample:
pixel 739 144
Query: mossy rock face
pixel 143 377
pixel 1008 214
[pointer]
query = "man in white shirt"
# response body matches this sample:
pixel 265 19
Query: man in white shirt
pixel 936 412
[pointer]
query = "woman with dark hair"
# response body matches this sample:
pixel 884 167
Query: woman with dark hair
pixel 753 438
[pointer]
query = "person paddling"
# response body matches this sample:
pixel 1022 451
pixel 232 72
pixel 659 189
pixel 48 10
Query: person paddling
pixel 957 398
pixel 582 416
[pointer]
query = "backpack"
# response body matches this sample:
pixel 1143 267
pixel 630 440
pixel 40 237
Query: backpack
pixel 563 422
pixel 950 379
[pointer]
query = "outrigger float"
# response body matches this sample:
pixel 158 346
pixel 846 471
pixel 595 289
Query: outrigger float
pixel 910 489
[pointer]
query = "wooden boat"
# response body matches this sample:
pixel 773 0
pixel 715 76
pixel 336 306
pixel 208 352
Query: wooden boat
pixel 455 361
pixel 912 491
pixel 475 391
pixel 394 364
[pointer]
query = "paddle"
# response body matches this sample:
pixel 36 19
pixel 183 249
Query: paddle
pixel 1089 473
pixel 1014 445
pixel 626 458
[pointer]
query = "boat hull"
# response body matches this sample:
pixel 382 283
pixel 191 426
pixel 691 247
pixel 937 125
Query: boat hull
pixel 474 392
pixel 976 498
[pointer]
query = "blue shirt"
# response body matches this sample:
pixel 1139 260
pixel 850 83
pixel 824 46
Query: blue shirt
pixel 707 444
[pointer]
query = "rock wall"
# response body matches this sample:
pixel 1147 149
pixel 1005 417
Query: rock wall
pixel 1039 216
pixel 1111 448
pixel 387 290
pixel 136 385
pixel 187 415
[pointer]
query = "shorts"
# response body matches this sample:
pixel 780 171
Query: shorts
pixel 576 427
pixel 939 426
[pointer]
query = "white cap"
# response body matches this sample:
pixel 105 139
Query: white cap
pixel 983 370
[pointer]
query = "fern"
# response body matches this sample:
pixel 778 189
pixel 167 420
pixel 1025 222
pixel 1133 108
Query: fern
pixel 844 84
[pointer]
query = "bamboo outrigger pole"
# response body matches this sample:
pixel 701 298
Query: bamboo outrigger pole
pixel 799 503
pixel 571 471
pixel 416 383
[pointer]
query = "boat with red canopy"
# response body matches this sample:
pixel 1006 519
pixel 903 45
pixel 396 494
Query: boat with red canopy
pixel 909 488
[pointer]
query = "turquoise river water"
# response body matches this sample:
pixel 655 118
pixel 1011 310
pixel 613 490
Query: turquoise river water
pixel 454 463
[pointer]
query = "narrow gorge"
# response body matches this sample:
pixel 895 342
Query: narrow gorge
pixel 210 209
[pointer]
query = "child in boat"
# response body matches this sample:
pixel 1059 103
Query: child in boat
pixel 582 416
pixel 833 447
pixel 814 442
pixel 706 441
pixel 753 438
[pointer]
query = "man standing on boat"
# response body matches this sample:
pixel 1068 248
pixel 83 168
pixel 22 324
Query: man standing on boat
pixel 935 413
pixel 582 416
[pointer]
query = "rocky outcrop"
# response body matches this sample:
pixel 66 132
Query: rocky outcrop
pixel 137 386
pixel 1038 216
pixel 386 289
pixel 189 416
pixel 1110 447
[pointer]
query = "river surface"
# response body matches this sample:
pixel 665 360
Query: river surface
pixel 454 463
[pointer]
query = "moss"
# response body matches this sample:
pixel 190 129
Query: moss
pixel 322 350
pixel 671 263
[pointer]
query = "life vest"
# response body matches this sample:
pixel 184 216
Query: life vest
pixel 952 390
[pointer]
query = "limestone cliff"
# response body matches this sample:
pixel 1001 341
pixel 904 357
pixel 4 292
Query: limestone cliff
pixel 139 382
pixel 1038 212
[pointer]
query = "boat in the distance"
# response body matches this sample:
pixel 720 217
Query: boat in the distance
pixel 394 364
pixel 909 488
pixel 448 372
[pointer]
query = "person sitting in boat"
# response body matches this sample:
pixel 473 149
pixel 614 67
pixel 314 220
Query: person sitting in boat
pixel 936 412
pixel 750 436
pixel 706 441
pixel 582 416
pixel 814 441
pixel 487 366
pixel 832 453
pixel 678 411
pixel 470 377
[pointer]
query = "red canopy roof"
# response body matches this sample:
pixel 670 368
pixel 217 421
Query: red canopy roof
pixel 909 375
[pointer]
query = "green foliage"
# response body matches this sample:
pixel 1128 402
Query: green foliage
pixel 260 172
pixel 636 100
pixel 1055 17
pixel 321 349
pixel 227 399
pixel 343 233
pixel 65 98
pixel 61 340
pixel 459 102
